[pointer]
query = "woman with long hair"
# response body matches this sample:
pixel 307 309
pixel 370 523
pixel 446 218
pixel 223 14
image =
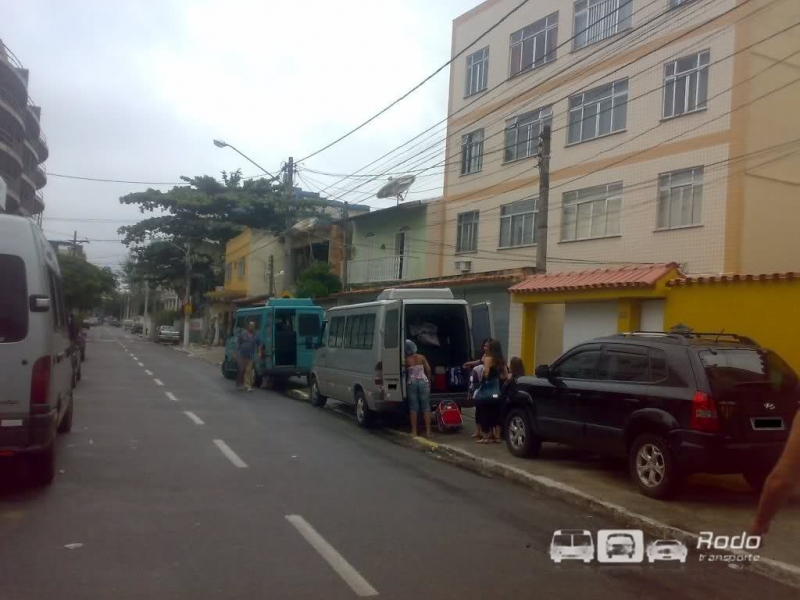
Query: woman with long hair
pixel 494 368
pixel 475 376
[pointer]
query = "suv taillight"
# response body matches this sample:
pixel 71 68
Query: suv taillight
pixel 40 382
pixel 704 413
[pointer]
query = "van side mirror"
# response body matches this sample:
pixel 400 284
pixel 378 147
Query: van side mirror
pixel 39 303
pixel 543 371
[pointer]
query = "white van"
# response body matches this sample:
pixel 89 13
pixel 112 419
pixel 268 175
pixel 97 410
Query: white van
pixel 359 359
pixel 35 348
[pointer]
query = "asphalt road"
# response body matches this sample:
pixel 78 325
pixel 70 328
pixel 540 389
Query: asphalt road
pixel 177 486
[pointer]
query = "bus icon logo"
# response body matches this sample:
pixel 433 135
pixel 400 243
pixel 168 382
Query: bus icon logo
pixel 572 544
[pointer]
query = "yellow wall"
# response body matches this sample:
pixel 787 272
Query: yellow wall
pixel 235 250
pixel 766 311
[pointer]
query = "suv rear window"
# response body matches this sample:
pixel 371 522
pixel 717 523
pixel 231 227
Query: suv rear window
pixel 736 367
pixel 13 300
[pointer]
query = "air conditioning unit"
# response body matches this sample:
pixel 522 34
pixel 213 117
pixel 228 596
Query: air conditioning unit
pixel 463 266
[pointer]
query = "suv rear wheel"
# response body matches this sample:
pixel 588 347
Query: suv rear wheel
pixel 520 438
pixel 652 467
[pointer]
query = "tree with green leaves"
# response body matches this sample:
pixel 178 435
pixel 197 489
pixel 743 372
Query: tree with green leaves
pixel 85 285
pixel 318 281
pixel 202 216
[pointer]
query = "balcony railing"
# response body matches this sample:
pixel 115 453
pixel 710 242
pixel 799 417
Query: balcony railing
pixel 388 268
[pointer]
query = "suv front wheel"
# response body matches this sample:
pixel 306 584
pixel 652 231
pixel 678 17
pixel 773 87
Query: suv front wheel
pixel 520 438
pixel 652 466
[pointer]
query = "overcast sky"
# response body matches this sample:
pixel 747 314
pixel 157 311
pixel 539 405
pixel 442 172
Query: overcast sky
pixel 137 89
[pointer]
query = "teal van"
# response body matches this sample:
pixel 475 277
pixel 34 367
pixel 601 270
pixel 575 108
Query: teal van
pixel 288 328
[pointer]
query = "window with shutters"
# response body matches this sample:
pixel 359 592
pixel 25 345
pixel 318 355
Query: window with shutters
pixel 597 20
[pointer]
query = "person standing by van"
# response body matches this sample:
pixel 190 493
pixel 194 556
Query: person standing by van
pixel 418 377
pixel 475 377
pixel 494 369
pixel 246 346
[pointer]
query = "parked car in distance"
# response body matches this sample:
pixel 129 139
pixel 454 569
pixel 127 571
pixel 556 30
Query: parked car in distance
pixel 620 544
pixel 673 404
pixel 572 544
pixel 667 550
pixel 167 334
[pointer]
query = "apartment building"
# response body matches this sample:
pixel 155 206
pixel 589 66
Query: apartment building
pixel 675 136
pixel 23 147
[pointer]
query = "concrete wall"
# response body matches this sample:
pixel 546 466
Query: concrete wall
pixel 383 229
pixel 763 310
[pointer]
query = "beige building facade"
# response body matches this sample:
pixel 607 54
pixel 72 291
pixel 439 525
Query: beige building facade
pixel 675 136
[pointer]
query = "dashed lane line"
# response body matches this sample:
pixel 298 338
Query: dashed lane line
pixel 230 454
pixel 336 561
pixel 172 396
pixel 195 419
pixel 158 382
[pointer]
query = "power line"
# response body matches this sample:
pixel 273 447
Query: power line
pixel 419 85
pixel 605 76
pixel 482 97
pixel 103 180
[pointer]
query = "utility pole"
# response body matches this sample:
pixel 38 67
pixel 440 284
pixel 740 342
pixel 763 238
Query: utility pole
pixel 345 253
pixel 544 201
pixel 288 267
pixel 187 298
pixel 75 244
pixel 271 275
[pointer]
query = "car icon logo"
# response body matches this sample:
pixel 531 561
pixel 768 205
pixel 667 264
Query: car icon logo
pixel 769 405
pixel 667 550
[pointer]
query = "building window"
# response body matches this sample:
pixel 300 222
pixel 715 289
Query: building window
pixel 240 267
pixel 534 45
pixel 472 152
pixel 522 133
pixel 597 20
pixel 477 72
pixel 467 233
pixel 597 112
pixel 686 84
pixel 591 212
pixel 228 272
pixel 680 198
pixel 518 223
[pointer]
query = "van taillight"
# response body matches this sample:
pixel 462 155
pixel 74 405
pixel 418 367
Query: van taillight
pixel 704 413
pixel 379 374
pixel 40 382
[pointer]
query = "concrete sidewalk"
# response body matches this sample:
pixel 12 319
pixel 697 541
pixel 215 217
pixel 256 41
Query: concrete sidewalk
pixel 724 505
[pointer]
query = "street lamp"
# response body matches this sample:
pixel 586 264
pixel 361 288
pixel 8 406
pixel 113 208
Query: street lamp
pixel 222 144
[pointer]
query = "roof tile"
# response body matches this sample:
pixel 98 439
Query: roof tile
pixel 703 279
pixel 621 277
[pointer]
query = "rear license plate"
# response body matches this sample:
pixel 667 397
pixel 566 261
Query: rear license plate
pixel 768 423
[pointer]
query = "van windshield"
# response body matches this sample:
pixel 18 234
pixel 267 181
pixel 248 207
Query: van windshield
pixel 13 300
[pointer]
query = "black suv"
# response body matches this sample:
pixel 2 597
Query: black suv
pixel 673 404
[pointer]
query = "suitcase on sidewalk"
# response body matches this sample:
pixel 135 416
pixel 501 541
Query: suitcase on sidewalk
pixel 448 417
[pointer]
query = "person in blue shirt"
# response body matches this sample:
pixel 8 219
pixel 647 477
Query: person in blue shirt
pixel 246 346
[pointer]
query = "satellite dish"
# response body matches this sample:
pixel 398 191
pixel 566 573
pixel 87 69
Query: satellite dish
pixel 396 188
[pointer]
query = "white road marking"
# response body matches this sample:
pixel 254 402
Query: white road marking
pixel 195 419
pixel 172 396
pixel 149 372
pixel 230 454
pixel 140 364
pixel 336 561
pixel 158 382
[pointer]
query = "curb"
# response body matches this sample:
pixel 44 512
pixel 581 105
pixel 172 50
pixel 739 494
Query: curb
pixel 773 569
pixel 779 571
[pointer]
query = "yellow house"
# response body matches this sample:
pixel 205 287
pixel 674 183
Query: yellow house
pixel 237 258
pixel 761 307
pixel 554 312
